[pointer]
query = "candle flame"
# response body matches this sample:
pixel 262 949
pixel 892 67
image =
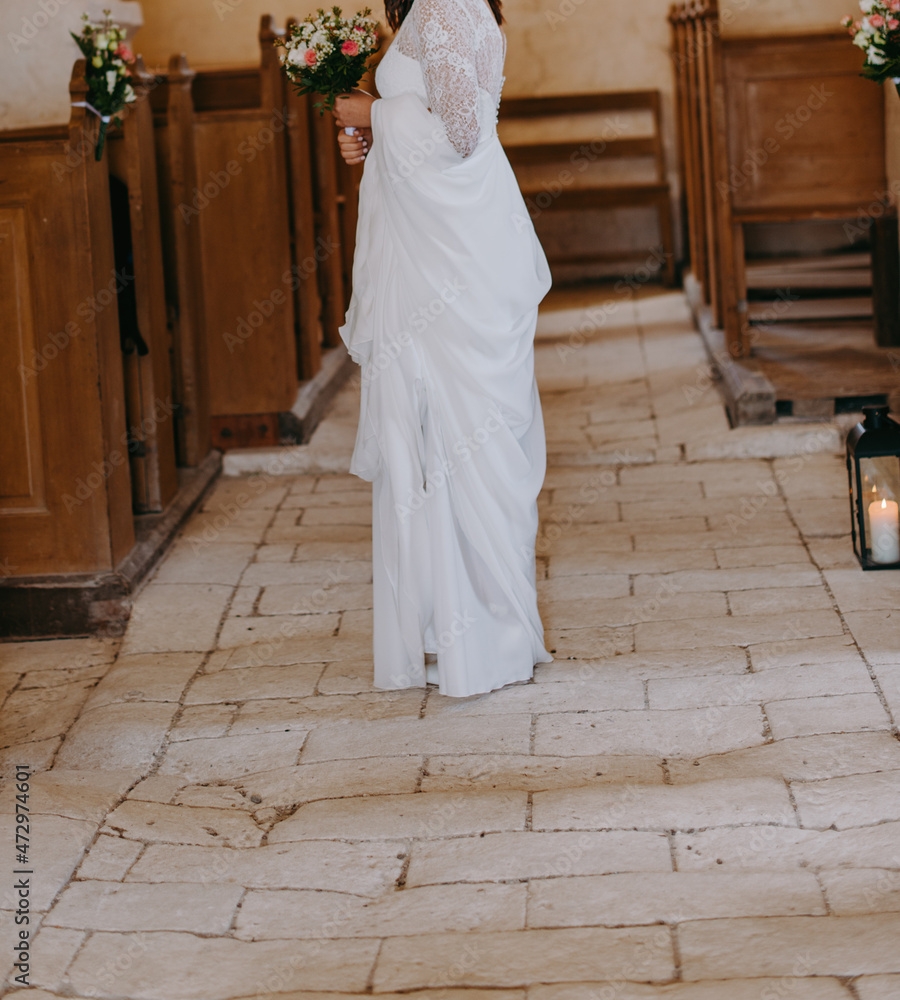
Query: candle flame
pixel 884 504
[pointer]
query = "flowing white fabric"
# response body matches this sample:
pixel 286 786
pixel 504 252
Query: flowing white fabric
pixel 447 278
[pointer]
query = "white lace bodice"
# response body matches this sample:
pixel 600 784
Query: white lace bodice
pixel 450 53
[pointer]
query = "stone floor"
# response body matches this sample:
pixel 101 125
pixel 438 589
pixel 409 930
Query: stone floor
pixel 698 800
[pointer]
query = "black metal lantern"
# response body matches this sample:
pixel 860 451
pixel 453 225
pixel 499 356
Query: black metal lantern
pixel 873 467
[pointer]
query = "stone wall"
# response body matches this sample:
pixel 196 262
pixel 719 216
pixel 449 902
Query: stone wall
pixel 38 54
pixel 555 46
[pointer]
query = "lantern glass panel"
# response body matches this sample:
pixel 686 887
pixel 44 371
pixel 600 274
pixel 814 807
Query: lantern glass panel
pixel 880 484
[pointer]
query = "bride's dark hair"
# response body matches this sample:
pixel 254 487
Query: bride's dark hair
pixel 396 11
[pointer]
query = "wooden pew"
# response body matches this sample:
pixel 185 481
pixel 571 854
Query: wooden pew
pixel 805 138
pixel 700 100
pixel 240 207
pixel 183 259
pixel 573 188
pixel 259 226
pixel 64 471
pixel 305 245
pixel 148 381
pixel 764 126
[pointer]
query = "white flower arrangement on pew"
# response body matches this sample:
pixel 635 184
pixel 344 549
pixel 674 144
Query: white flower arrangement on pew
pixel 877 33
pixel 327 53
pixel 106 71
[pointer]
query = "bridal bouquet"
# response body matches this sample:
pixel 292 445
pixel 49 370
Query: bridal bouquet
pixel 106 71
pixel 326 54
pixel 877 33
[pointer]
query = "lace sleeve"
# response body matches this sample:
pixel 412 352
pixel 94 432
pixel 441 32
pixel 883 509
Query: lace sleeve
pixel 446 55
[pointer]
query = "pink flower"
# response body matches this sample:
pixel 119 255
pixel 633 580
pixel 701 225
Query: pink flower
pixel 123 52
pixel 895 5
pixel 876 20
pixel 310 57
pixel 893 24
pixel 350 48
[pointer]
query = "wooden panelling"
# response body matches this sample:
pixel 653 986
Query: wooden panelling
pixel 258 430
pixel 241 209
pixel 772 130
pixel 95 233
pixel 57 200
pixel 246 251
pixel 21 467
pixel 306 248
pixel 148 376
pixel 182 260
pixel 298 164
pixel 804 128
pixel 567 184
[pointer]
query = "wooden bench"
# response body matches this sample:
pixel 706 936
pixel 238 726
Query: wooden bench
pixel 240 207
pixel 65 491
pixel 806 142
pixel 277 233
pixel 700 117
pixel 771 130
pixel 131 155
pixel 182 258
pixel 572 188
pixel 205 196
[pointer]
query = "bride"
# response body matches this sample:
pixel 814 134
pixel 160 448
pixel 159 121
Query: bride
pixel 447 278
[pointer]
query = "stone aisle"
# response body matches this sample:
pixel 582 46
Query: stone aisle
pixel 699 800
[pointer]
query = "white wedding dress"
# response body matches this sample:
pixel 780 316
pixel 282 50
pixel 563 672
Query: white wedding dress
pixel 447 278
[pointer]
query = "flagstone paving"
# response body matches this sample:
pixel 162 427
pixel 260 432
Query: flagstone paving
pixel 698 800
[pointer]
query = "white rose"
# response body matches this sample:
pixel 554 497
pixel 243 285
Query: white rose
pixel 129 92
pixel 866 6
pixel 874 58
pixel 297 55
pixel 101 41
pixel 860 39
pixel 111 78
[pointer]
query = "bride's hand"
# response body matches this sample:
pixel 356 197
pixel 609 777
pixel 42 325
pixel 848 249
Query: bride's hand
pixel 354 147
pixel 354 110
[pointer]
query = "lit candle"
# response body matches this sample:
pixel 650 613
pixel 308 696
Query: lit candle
pixel 884 521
